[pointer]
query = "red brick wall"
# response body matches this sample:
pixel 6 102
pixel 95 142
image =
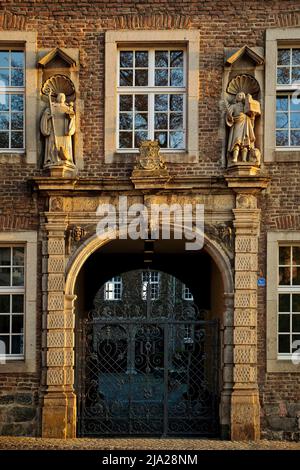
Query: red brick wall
pixel 222 23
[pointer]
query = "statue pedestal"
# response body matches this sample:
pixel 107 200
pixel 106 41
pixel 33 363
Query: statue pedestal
pixel 242 169
pixel 62 170
pixel 150 179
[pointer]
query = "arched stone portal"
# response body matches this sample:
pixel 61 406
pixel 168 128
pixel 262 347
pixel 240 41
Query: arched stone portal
pixel 59 410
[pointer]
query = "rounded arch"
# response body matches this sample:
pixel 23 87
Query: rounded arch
pixel 94 242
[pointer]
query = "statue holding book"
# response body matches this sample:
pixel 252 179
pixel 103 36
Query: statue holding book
pixel 240 118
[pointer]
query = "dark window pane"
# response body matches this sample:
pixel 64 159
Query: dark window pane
pixel 17 77
pixel 284 343
pixel 176 77
pixel 296 302
pixel 18 303
pixel 176 121
pixel 284 276
pixel 295 74
pixel 126 59
pixel 283 57
pixel 285 255
pixel 17 324
pixel 176 140
pixel 5 256
pixel 295 342
pixel 4 323
pixel 17 121
pixel 283 75
pixel 141 59
pixel 139 137
pixel 4 77
pixel 17 344
pixel 295 138
pixel 296 323
pixel 17 102
pixel 141 121
pixel 295 120
pixel 141 102
pixel 126 77
pixel 141 77
pixel 162 138
pixel 282 138
pixel 284 302
pixel 4 121
pixel 161 121
pixel 296 254
pixel 125 121
pixel 282 120
pixel 284 323
pixel 281 103
pixel 4 58
pixel 161 58
pixel 18 276
pixel 161 103
pixel 18 256
pixel 4 276
pixel 4 140
pixel 4 303
pixel 176 59
pixel 161 77
pixel 176 102
pixel 296 276
pixel 125 140
pixel 4 344
pixel 17 59
pixel 17 140
pixel 126 102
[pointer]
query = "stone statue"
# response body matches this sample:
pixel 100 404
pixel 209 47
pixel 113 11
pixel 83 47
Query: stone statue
pixel 240 118
pixel 58 127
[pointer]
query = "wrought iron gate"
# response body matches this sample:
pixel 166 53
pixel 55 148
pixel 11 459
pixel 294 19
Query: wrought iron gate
pixel 148 368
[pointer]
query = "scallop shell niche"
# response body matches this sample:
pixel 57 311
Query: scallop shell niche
pixel 243 83
pixel 59 84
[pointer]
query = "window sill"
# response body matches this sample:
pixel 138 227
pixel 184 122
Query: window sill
pixel 287 155
pixel 169 157
pixel 12 157
pixel 17 366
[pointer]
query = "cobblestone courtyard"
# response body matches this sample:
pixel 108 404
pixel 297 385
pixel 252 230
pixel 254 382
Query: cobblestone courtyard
pixel 27 443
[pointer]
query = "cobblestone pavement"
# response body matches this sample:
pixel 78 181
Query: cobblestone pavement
pixel 143 444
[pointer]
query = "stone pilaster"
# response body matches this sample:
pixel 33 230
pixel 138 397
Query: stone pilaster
pixel 227 360
pixel 245 409
pixel 59 408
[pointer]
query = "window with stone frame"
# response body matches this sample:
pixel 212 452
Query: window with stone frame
pixel 287 98
pixel 12 99
pixel 151 284
pixel 288 300
pixel 151 97
pixel 12 296
pixel 113 289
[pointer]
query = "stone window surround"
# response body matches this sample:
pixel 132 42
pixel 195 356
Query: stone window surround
pixel 28 40
pixel 274 239
pixel 29 239
pixel 189 38
pixel 274 38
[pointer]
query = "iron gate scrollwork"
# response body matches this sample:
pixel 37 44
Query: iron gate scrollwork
pixel 148 368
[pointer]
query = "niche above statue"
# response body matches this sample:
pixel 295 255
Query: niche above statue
pixel 243 83
pixel 241 111
pixel 58 75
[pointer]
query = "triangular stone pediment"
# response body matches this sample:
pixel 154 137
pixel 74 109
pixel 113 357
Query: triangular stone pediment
pixel 245 53
pixel 57 56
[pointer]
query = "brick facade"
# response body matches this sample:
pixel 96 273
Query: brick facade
pixel 82 25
